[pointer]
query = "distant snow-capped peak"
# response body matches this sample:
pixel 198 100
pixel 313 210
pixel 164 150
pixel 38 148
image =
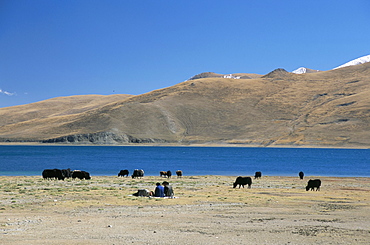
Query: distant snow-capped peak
pixel 357 61
pixel 300 70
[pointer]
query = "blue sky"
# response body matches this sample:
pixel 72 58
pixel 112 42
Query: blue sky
pixel 51 48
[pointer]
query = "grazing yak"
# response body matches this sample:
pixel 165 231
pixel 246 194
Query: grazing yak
pixel 67 173
pixel 138 173
pixel 53 174
pixel 257 175
pixel 242 181
pixel 301 174
pixel 123 173
pixel 312 184
pixel 169 174
pixel 80 174
pixel 179 173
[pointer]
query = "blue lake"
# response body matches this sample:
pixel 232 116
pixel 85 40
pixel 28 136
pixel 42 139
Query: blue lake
pixel 233 161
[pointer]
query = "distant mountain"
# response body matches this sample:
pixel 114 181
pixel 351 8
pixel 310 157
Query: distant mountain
pixel 326 109
pixel 205 75
pixel 358 61
pixel 303 70
pixel 232 76
pixel 278 73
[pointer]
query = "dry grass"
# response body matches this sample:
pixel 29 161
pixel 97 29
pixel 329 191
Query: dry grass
pixel 207 210
pixel 23 192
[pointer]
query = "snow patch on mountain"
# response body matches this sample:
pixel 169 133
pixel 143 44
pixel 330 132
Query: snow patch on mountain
pixel 358 61
pixel 303 70
pixel 300 70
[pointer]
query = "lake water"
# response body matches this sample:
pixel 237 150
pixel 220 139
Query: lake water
pixel 233 161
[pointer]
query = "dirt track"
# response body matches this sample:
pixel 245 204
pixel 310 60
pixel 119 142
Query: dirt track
pixel 276 210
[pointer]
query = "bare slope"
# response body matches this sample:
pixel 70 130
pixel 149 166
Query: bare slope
pixel 330 108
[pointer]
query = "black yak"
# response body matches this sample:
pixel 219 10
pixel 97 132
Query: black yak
pixel 257 175
pixel 80 174
pixel 123 173
pixel 301 174
pixel 138 173
pixel 53 174
pixel 242 181
pixel 312 184
pixel 169 174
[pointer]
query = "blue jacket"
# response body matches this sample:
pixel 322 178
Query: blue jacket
pixel 159 191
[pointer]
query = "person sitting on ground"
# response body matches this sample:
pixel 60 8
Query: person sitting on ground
pixel 168 191
pixel 159 191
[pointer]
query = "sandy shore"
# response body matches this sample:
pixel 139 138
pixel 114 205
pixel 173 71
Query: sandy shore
pixel 207 210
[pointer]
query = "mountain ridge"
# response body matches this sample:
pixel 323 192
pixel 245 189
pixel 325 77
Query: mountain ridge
pixel 322 109
pixel 358 61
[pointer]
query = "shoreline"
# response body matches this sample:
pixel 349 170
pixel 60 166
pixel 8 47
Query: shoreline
pixel 189 145
pixel 204 175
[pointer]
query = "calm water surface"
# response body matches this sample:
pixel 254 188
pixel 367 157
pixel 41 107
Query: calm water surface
pixel 108 160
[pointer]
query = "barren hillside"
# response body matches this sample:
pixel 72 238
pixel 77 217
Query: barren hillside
pixel 328 108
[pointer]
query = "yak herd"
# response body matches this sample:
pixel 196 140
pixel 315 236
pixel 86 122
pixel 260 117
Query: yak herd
pixel 240 181
pixel 62 174
pixel 139 173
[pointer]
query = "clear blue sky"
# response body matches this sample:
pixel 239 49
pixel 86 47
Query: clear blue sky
pixel 52 48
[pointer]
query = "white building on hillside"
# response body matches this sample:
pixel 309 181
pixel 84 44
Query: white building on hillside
pixel 231 76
